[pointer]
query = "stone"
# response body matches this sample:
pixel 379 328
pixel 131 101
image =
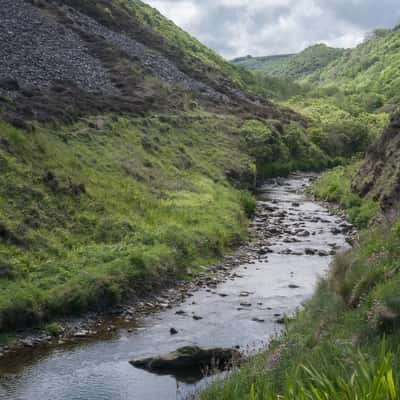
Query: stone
pixel 197 317
pixel 82 333
pixel 173 331
pixel 293 286
pixel 28 342
pixel 302 233
pixel 257 319
pixel 310 252
pixel 244 304
pixel 187 358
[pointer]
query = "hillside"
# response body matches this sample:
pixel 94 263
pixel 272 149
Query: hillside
pixel 292 66
pixel 370 68
pixel 265 64
pixel 126 151
pixel 379 176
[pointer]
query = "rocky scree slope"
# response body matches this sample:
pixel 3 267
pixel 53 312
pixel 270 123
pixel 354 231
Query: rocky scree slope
pixel 66 58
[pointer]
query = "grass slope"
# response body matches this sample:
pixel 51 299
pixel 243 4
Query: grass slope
pixel 293 66
pixel 88 213
pixel 371 68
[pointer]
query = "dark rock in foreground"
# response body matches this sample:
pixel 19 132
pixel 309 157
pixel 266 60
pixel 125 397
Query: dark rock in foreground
pixel 190 357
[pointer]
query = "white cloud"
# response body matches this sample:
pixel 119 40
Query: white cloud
pixel 261 27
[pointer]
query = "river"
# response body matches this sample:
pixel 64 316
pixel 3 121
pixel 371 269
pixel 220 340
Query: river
pixel 242 311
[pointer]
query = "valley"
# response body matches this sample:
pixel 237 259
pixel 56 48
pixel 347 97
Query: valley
pixel 154 196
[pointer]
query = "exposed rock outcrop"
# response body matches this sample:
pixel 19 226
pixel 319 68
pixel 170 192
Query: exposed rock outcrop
pixel 63 59
pixel 379 176
pixel 36 52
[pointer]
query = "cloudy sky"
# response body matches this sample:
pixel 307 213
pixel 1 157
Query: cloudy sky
pixel 263 27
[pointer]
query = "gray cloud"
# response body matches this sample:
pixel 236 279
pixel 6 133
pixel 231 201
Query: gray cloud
pixel 261 27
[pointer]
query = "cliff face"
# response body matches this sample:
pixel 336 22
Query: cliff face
pixel 379 176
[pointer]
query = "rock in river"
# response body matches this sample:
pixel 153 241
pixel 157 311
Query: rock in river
pixel 187 358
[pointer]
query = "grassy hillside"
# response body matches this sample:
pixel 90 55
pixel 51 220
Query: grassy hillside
pixel 370 69
pixel 293 66
pixel 266 64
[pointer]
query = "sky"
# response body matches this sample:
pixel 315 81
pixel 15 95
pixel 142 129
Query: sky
pixel 237 28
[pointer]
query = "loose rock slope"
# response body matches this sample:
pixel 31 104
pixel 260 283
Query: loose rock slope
pixel 56 56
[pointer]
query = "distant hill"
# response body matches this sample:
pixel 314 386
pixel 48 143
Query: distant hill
pixel 373 67
pixel 265 64
pixel 292 66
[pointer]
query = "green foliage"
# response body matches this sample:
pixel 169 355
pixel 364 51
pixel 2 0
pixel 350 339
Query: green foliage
pixel 279 149
pixel 54 329
pixel 248 202
pixel 292 66
pixel 87 213
pixel 335 186
pixel 370 70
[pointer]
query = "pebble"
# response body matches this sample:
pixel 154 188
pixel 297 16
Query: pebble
pixel 293 286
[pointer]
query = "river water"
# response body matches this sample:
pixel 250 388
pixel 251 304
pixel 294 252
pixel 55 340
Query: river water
pixel 277 283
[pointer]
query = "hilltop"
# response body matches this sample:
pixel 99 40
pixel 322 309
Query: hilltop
pixel 292 66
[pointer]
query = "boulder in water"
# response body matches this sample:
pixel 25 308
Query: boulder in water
pixel 190 357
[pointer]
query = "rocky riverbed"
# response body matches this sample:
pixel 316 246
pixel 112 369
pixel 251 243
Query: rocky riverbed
pixel 238 303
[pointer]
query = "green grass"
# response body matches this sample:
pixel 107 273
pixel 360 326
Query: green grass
pixel 335 186
pixel 292 66
pixel 88 214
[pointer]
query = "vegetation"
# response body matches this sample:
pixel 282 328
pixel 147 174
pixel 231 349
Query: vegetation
pixel 335 186
pixel 370 71
pixel 88 213
pixel 292 66
pixel 112 204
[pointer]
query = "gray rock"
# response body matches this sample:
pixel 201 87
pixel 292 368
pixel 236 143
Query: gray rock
pixel 188 357
pixel 310 252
